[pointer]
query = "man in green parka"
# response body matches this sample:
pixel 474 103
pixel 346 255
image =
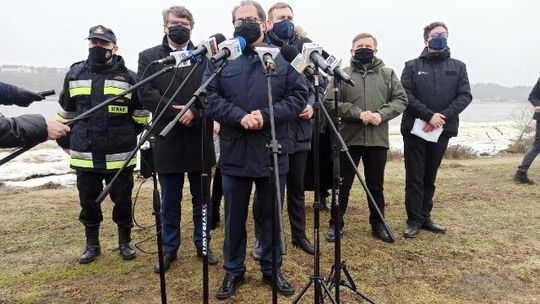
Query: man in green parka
pixel 365 110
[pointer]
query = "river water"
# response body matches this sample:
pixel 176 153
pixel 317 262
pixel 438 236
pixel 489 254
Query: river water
pixel 487 127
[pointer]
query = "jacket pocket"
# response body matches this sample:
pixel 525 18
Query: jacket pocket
pixel 232 149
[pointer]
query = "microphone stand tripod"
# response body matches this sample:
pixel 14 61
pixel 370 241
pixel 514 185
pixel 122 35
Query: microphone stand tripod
pixel 316 278
pixel 339 145
pixel 156 198
pixel 200 97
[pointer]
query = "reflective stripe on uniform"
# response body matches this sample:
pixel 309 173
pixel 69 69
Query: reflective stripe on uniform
pixel 142 116
pixel 80 87
pixel 117 109
pixel 115 161
pixel 81 159
pixel 115 87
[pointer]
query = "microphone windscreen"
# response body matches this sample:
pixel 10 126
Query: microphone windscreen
pixel 289 52
pixel 325 54
pixel 242 42
pixel 219 38
pixel 300 45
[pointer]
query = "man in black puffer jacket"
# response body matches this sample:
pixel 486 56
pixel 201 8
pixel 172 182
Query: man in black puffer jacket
pixel 438 91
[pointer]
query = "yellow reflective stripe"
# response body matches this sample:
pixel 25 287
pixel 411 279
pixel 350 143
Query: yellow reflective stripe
pixel 115 91
pixel 81 163
pixel 63 115
pixel 80 91
pixel 117 109
pixel 141 119
pixel 61 118
pixel 117 164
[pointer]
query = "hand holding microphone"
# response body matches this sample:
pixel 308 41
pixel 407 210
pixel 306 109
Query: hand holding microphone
pixel 25 97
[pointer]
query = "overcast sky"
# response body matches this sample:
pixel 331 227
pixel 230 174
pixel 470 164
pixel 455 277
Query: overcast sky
pixel 498 40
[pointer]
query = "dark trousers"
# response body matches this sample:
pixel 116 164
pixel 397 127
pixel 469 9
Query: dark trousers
pixel 237 191
pixel 532 153
pixel 171 195
pixel 296 202
pixel 374 162
pixel 422 161
pixel 90 185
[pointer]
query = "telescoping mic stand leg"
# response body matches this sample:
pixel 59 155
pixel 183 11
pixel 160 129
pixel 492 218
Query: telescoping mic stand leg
pixel 339 145
pixel 318 282
pixel 156 203
pixel 205 193
pixel 277 225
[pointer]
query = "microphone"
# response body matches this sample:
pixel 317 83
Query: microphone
pixel 207 47
pixel 267 55
pixel 230 49
pixel 178 58
pixel 335 64
pixel 311 52
pixel 291 55
pixel 332 64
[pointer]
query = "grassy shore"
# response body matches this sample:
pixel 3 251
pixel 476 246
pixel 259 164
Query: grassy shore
pixel 491 253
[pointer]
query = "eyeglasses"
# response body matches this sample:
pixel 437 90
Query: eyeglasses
pixel 439 34
pixel 239 22
pixel 179 22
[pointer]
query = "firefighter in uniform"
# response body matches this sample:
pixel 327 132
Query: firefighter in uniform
pixel 99 144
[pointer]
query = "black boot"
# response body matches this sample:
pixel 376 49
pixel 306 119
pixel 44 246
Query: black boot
pixel 124 237
pixel 92 249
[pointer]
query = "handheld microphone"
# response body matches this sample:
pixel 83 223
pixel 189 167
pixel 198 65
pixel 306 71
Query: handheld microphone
pixel 291 55
pixel 230 49
pixel 46 93
pixel 267 55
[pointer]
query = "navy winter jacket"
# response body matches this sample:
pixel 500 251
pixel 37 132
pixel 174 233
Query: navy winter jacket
pixel 242 88
pixel 435 84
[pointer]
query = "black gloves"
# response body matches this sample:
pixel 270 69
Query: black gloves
pixel 24 97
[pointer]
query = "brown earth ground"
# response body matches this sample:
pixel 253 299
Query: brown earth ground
pixel 491 253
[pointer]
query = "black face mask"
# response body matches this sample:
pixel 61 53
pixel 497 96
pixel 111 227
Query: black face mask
pixel 179 34
pixel 99 55
pixel 249 31
pixel 363 55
